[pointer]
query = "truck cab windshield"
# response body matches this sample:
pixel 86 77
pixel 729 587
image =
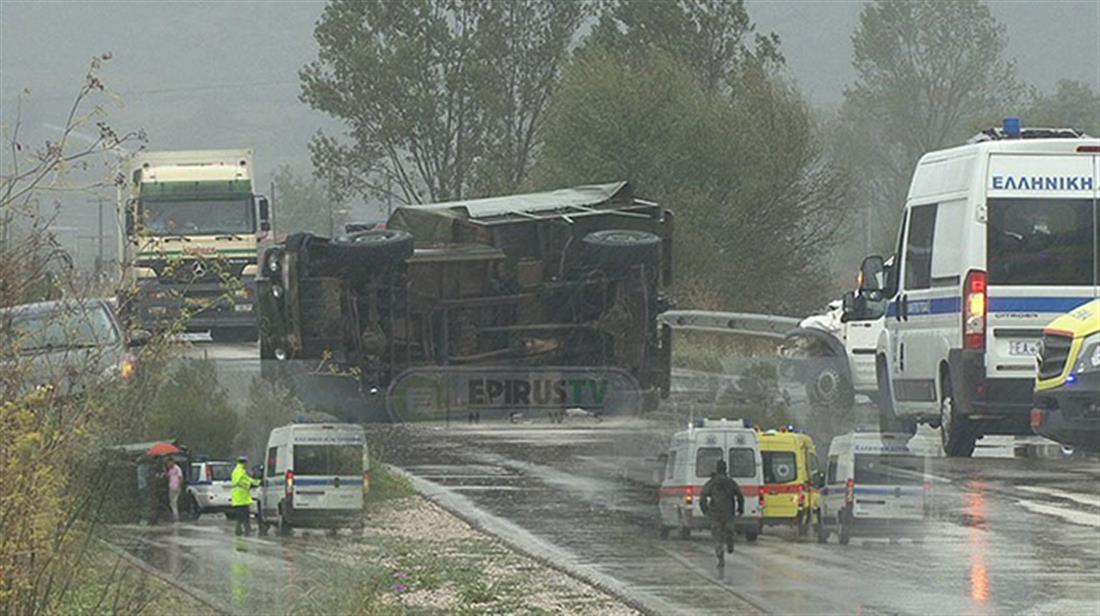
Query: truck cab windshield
pixel 199 217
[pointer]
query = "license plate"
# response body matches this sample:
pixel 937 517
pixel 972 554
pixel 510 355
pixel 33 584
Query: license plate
pixel 1023 348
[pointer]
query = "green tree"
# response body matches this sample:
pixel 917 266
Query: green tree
pixel 441 98
pixel 1073 104
pixel 191 406
pixel 927 73
pixel 303 204
pixel 715 38
pixel 755 202
pixel 270 405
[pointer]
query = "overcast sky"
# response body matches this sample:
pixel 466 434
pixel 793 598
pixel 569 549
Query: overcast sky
pixel 224 74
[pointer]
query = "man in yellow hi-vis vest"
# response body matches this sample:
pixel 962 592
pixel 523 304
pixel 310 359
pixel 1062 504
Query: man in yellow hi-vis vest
pixel 242 496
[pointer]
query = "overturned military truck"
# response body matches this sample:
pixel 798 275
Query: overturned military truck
pixel 567 282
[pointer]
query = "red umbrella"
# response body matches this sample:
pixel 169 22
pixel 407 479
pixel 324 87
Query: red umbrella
pixel 163 449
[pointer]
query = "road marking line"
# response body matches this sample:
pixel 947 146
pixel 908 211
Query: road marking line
pixel 1085 499
pixel 1070 515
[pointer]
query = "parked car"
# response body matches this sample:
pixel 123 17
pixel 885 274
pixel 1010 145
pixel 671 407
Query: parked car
pixel 64 344
pixel 1067 388
pixel 209 487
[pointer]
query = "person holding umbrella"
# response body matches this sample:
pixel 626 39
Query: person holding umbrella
pixel 242 495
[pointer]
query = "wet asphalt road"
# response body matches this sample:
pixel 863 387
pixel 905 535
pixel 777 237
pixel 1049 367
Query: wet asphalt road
pixel 244 575
pixel 1009 535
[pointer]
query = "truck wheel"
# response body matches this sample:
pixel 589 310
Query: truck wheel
pixel 830 389
pixel 887 420
pixel 375 247
pixel 621 248
pixel 957 433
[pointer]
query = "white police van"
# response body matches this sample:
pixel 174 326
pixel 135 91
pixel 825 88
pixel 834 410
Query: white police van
pixel 689 463
pixel 314 475
pixel 998 237
pixel 875 485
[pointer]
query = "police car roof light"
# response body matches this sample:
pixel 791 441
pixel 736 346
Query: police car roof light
pixel 1011 127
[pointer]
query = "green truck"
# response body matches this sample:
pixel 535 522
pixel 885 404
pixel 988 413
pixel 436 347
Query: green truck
pixel 541 282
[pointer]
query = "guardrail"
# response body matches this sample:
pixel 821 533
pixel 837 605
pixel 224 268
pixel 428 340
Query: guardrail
pixel 740 323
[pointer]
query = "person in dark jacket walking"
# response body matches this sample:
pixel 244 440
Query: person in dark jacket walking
pixel 720 499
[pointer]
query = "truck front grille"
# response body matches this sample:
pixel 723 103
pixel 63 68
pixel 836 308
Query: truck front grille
pixel 1055 353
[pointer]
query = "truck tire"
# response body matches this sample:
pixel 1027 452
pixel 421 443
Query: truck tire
pixel 957 433
pixel 617 248
pixel 829 389
pixel 374 247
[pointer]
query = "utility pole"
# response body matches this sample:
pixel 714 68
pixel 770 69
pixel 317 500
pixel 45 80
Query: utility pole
pixel 99 201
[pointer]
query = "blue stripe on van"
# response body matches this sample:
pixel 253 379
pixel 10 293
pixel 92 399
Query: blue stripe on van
pixel 952 305
pixel 888 490
pixel 311 481
pixel 1036 304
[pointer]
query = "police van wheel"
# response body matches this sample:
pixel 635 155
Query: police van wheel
pixel 282 524
pixel 957 433
pixel 822 531
pixel 664 531
pixel 685 532
pixel 844 534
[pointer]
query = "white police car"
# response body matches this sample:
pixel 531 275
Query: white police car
pixel 209 487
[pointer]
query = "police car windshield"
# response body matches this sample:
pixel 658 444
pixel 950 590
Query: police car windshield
pixel 328 459
pixel 1042 242
pixel 874 469
pixel 779 467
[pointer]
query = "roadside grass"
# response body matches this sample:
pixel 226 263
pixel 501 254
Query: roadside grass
pixel 108 583
pixel 385 485
pixel 418 559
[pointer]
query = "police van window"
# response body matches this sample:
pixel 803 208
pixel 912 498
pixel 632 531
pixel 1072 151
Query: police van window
pixel 272 456
pixel 833 460
pixel 705 459
pixel 1042 242
pixel 742 462
pixel 918 247
pixel 670 468
pixel 779 467
pixel 194 474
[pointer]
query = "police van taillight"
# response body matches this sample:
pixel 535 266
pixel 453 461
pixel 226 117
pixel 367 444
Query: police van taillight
pixel 689 495
pixel 850 492
pixel 289 483
pixel 975 308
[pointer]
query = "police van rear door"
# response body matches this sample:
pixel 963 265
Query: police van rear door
pixel 1041 246
pixel 328 470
